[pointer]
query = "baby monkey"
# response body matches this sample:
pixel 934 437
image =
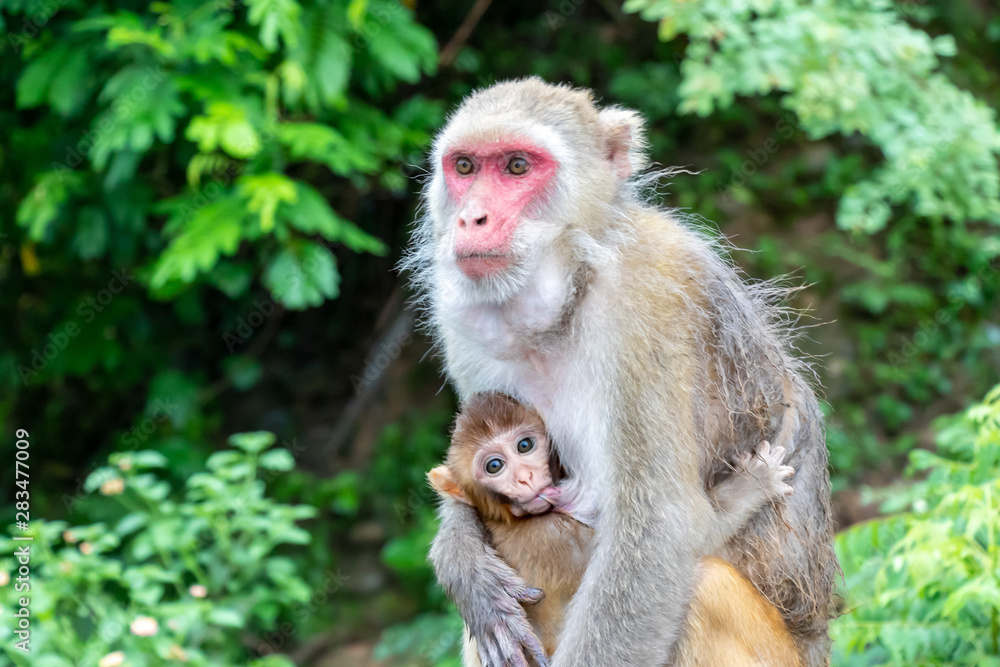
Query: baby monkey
pixel 500 462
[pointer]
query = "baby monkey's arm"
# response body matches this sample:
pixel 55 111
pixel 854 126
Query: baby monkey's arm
pixel 758 479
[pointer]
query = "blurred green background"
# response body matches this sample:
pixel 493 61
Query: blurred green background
pixel 209 371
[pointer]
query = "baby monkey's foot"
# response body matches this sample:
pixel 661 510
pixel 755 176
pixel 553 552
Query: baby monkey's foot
pixel 765 465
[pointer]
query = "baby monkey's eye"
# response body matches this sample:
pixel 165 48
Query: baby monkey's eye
pixel 525 445
pixel 494 465
pixel 517 166
pixel 463 166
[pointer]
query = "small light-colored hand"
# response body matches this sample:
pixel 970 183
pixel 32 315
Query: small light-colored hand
pixel 766 466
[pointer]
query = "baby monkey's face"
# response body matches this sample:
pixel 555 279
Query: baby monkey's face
pixel 515 463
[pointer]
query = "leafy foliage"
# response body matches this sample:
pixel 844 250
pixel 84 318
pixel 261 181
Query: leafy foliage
pixel 176 577
pixel 848 68
pixel 922 586
pixel 916 277
pixel 201 202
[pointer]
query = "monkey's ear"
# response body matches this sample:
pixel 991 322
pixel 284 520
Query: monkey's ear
pixel 625 140
pixel 443 482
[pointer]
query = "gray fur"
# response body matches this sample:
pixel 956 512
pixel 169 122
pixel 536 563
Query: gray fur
pixel 668 367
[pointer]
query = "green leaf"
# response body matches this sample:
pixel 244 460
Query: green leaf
pixel 39 209
pixel 205 235
pixel 311 214
pixel 264 193
pixel 318 70
pixel 320 143
pixel 226 617
pixel 256 441
pixel 145 459
pixel 303 274
pixel 276 18
pixel 225 126
pixel 61 75
pixel 277 459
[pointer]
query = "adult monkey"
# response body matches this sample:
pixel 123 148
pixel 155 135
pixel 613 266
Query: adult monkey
pixel 546 277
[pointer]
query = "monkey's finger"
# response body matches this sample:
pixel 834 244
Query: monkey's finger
pixel 531 595
pixel 540 657
pixel 500 650
pixel 531 644
pixel 523 637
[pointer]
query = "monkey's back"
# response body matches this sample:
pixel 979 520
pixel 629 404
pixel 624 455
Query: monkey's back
pixel 549 551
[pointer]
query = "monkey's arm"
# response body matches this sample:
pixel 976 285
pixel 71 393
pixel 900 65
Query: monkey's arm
pixel 487 592
pixel 630 606
pixel 758 479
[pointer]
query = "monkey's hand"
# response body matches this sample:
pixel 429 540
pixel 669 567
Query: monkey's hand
pixel 766 467
pixel 487 592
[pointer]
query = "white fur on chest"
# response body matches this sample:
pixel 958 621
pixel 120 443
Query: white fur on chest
pixel 494 348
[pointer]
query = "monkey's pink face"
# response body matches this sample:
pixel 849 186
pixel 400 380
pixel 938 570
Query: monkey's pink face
pixel 516 464
pixel 493 184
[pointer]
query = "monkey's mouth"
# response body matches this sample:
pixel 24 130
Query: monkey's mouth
pixel 482 265
pixel 536 505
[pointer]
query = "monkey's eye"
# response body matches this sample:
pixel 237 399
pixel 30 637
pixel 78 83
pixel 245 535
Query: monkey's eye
pixel 517 166
pixel 525 445
pixel 464 166
pixel 494 465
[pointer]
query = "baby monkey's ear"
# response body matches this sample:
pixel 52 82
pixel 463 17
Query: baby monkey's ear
pixel 443 482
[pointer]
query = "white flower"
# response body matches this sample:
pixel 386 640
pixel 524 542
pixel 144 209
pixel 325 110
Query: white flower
pixel 198 591
pixel 113 486
pixel 144 626
pixel 112 660
pixel 4 578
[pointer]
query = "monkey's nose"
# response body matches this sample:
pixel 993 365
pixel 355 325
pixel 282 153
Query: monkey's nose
pixel 478 222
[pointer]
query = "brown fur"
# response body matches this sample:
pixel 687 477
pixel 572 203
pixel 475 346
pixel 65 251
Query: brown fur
pixel 729 623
